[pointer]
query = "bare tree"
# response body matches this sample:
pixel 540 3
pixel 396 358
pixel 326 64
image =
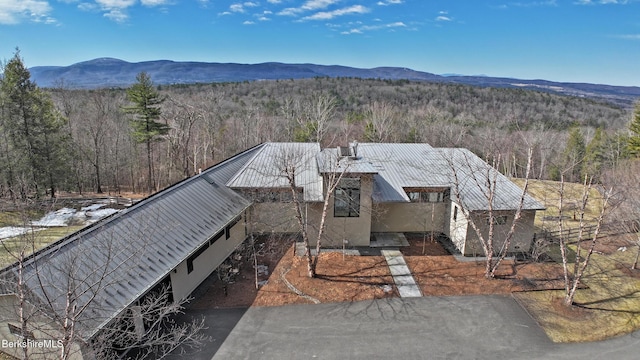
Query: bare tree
pixel 380 120
pixel 486 181
pixel 290 167
pixel 573 277
pixel 63 296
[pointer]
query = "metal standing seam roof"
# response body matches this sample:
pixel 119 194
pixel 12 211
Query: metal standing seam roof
pixel 116 261
pixel 402 166
pixel 473 172
pixel 265 169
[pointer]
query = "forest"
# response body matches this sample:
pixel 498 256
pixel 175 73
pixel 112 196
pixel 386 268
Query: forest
pixel 147 137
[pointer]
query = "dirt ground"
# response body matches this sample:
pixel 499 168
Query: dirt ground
pixel 351 278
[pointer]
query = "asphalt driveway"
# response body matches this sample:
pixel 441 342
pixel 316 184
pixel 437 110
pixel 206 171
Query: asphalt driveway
pixel 465 327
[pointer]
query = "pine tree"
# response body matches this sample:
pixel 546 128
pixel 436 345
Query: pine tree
pixel 574 154
pixel 33 131
pixel 146 111
pixel 634 129
pixel 594 158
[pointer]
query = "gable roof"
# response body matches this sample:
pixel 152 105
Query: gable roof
pixel 265 169
pixel 112 263
pixel 401 166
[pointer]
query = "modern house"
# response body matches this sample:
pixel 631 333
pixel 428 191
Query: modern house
pixel 180 235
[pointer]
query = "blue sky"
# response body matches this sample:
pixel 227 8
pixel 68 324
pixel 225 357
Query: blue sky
pixel 596 41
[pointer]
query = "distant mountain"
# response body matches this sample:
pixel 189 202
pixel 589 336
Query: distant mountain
pixel 109 72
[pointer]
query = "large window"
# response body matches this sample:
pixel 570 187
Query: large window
pixel 428 195
pixel 347 198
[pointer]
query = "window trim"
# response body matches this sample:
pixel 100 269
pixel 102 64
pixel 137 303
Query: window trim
pixel 17 331
pixel 426 195
pixel 351 198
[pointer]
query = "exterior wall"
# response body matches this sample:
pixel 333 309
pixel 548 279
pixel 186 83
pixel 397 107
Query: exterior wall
pixel 183 283
pixel 45 343
pixel 410 217
pixel 356 230
pixel 458 225
pixel 274 217
pixel 520 242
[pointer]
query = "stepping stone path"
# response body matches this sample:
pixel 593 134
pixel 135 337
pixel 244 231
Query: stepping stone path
pixel 405 282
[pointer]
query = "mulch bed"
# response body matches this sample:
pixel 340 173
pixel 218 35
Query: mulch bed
pixel 353 278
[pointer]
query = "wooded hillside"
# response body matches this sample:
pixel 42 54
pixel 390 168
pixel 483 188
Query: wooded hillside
pixel 210 122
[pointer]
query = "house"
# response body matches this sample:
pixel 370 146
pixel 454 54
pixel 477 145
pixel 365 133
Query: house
pixel 385 188
pixel 180 235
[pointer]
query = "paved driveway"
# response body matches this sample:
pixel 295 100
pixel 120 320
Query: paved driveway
pixel 468 327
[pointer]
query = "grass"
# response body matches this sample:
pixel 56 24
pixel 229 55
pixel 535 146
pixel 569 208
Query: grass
pixel 18 218
pixel 610 306
pixel 39 239
pixel 547 192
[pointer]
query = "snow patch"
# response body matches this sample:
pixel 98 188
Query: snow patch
pixel 55 218
pixel 11 231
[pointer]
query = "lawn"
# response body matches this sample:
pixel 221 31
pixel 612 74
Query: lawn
pixel 32 241
pixel 548 193
pixel 609 305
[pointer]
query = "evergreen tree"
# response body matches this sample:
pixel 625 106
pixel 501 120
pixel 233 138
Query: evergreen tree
pixel 574 154
pixel 595 158
pixel 146 111
pixel 634 128
pixel 33 132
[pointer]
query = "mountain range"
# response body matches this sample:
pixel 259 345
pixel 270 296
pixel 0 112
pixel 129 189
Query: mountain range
pixel 115 73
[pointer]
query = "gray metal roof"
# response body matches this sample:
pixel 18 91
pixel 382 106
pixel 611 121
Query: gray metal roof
pixel 402 166
pixel 114 262
pixel 266 169
pixel 331 161
pixel 473 172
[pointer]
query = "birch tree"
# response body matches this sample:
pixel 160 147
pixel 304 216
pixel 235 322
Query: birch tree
pixel 61 296
pixel 587 231
pixel 485 180
pixel 290 166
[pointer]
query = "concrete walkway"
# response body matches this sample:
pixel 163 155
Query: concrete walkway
pixel 405 282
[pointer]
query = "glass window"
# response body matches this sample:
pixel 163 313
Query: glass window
pixel 498 220
pixel 347 198
pixel 427 195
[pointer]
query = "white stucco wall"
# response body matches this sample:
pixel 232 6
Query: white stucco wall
pixel 183 283
pixel 520 242
pixel 410 217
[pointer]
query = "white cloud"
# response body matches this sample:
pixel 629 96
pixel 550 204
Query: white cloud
pixel 310 5
pixel 16 11
pixel 248 23
pixel 390 2
pixel 154 2
pixel 536 3
pixel 116 10
pixel 443 18
pixel 363 29
pixel 274 1
pixel 629 37
pixel 601 2
pixel 236 8
pixel 327 15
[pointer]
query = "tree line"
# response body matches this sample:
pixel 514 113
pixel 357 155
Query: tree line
pixel 146 137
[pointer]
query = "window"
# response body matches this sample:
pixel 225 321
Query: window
pixel 17 331
pixel 455 213
pixel 428 195
pixel 194 256
pixel 347 198
pixel 498 220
